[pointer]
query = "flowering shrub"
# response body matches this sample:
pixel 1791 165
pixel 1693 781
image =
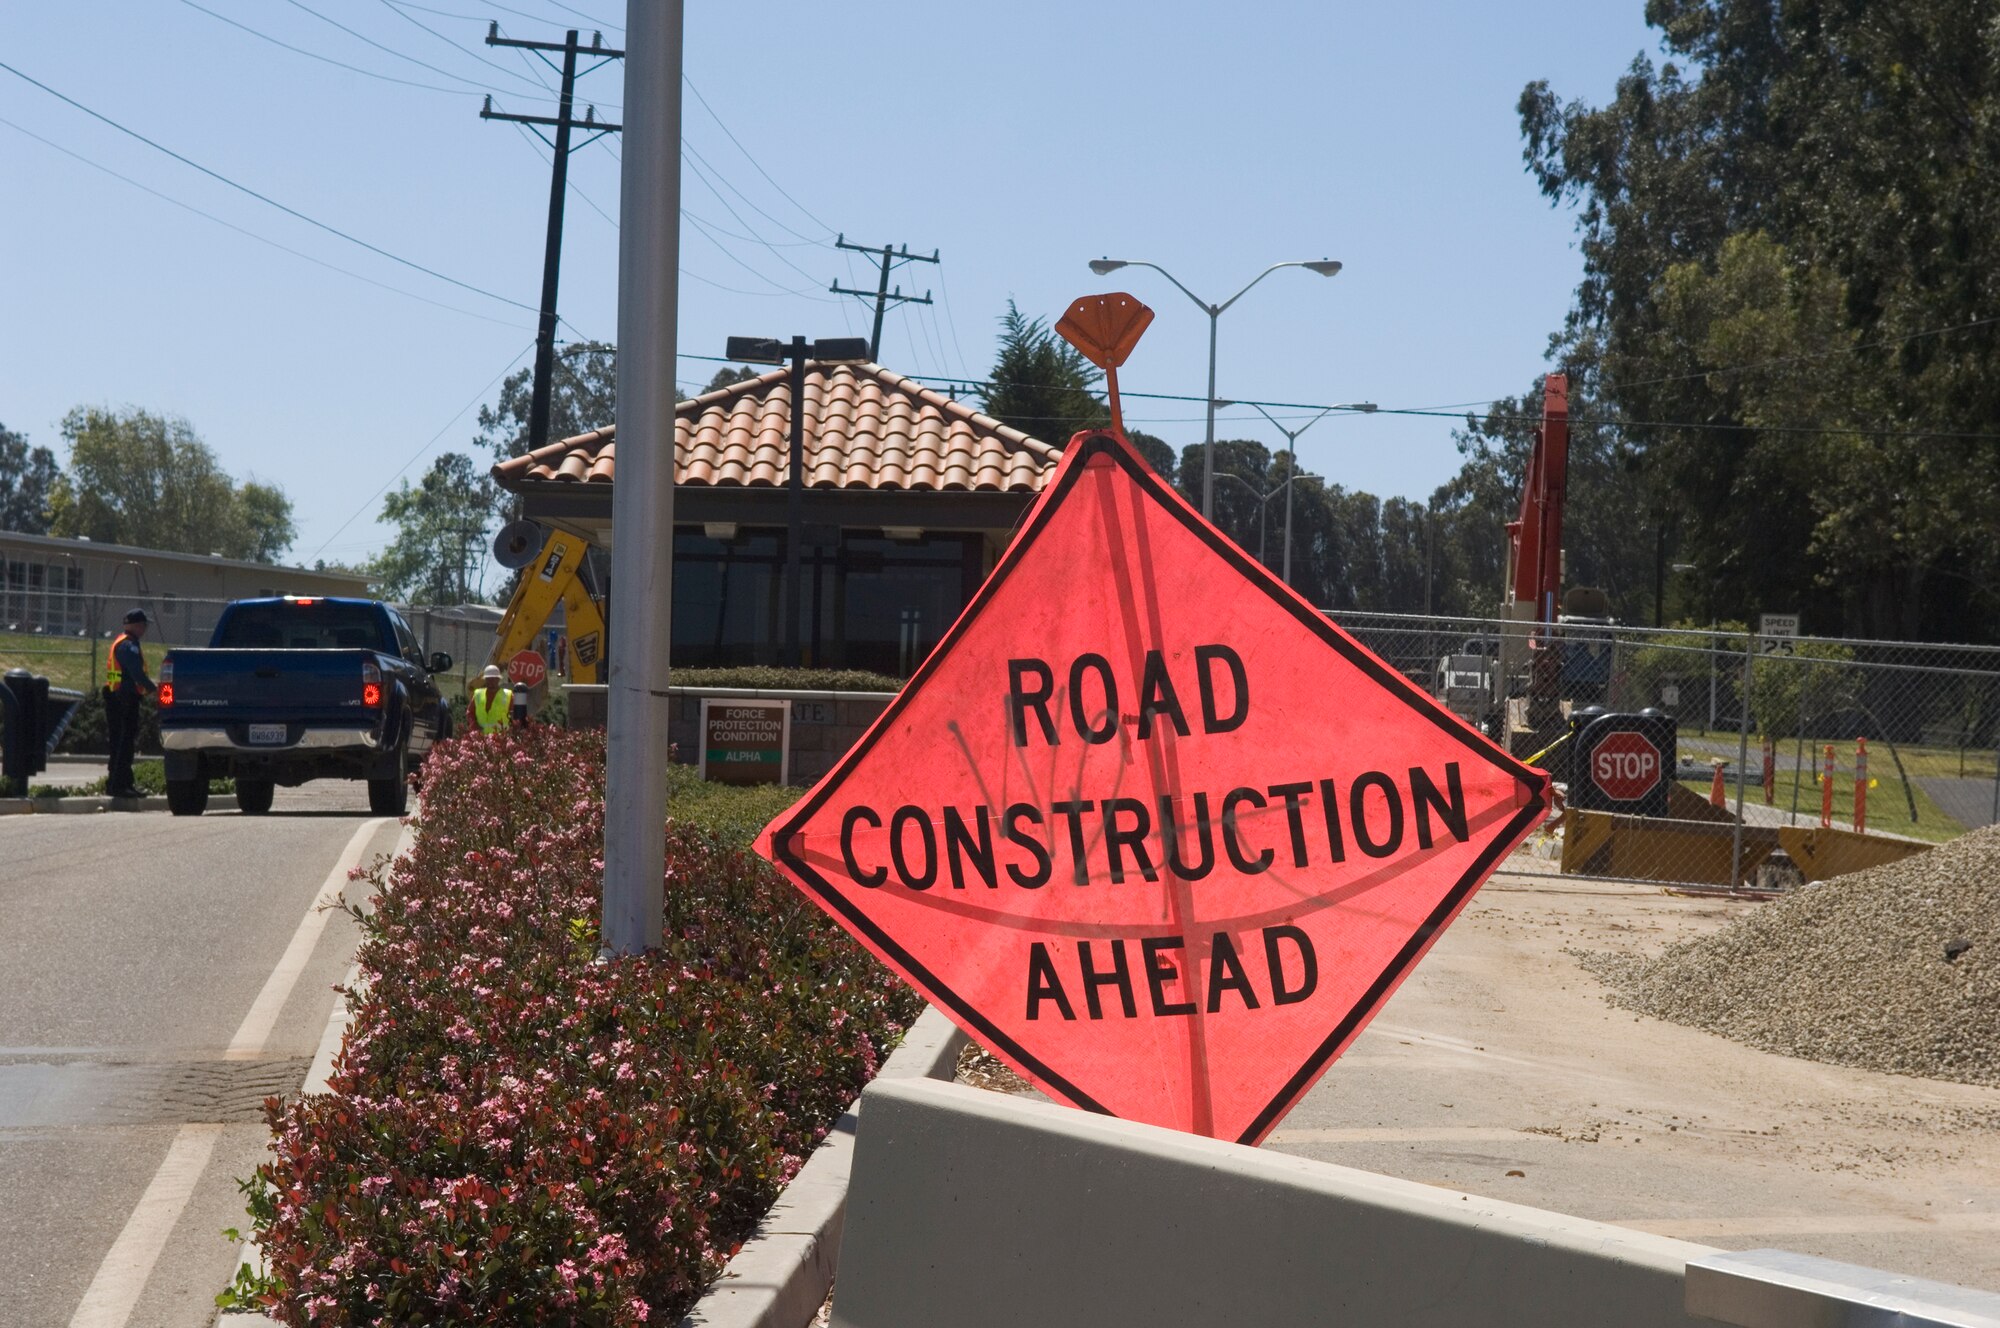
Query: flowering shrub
pixel 518 1133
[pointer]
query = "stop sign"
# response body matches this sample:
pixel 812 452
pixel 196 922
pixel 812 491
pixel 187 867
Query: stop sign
pixel 527 669
pixel 1625 765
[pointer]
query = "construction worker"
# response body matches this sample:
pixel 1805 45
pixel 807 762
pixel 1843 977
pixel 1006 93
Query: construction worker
pixel 492 701
pixel 125 681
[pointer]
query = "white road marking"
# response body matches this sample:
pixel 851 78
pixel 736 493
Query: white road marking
pixel 113 1293
pixel 248 1044
pixel 1434 1134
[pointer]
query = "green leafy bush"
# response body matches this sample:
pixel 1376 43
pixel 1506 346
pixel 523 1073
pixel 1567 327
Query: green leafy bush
pixel 87 734
pixel 519 1133
pixel 769 678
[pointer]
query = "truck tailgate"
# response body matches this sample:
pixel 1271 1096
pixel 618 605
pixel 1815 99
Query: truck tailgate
pixel 217 686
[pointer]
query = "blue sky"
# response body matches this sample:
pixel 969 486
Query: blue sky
pixel 1021 140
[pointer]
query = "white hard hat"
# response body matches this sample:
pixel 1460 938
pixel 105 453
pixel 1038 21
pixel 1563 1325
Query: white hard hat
pixel 492 673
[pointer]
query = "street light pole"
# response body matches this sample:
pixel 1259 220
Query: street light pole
pixel 1325 267
pixel 642 502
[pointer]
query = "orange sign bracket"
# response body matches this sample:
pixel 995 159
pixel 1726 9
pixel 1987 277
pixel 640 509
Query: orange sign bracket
pixel 1105 328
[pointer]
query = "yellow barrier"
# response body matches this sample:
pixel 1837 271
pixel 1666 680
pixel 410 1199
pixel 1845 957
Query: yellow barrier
pixel 1822 853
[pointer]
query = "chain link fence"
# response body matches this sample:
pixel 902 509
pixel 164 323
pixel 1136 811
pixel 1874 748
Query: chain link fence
pixel 1797 758
pixel 67 636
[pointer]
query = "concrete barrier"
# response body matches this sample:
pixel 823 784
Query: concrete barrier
pixel 780 1276
pixel 974 1208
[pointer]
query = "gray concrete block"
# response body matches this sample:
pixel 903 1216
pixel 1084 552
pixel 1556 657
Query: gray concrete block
pixel 982 1209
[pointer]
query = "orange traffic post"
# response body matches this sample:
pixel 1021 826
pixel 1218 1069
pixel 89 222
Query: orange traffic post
pixel 1716 792
pixel 1770 774
pixel 1826 789
pixel 1861 786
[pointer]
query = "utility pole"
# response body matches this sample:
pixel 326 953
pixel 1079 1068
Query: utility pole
pixel 562 122
pixel 892 258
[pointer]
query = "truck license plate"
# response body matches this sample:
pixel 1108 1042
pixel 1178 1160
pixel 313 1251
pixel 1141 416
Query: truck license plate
pixel 267 735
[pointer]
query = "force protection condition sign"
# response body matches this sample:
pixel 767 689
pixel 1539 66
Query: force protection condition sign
pixel 1146 824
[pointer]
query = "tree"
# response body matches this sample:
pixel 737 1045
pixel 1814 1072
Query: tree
pixel 1791 240
pixel 1040 383
pixel 441 528
pixel 139 478
pixel 729 377
pixel 583 396
pixel 27 480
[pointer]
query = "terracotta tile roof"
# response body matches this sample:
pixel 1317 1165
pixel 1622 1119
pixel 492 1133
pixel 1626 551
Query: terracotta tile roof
pixel 865 428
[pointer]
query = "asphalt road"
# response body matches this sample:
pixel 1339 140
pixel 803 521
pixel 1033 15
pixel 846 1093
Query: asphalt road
pixel 145 1012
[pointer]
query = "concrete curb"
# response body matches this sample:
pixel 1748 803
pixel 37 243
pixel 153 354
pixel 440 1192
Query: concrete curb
pixel 79 806
pixel 780 1277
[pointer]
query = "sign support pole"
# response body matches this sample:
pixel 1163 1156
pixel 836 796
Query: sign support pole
pixel 642 512
pixel 1742 760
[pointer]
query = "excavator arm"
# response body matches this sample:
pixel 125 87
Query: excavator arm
pixel 554 577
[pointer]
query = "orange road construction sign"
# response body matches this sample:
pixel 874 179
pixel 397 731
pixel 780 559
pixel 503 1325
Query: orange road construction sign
pixel 1146 824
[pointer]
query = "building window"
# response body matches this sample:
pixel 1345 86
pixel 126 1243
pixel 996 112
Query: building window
pixel 867 603
pixel 41 597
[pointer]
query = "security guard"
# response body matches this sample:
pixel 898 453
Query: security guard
pixel 492 701
pixel 125 681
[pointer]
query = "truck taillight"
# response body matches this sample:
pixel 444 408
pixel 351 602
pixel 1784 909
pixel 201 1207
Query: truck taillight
pixel 166 693
pixel 371 685
pixel 166 682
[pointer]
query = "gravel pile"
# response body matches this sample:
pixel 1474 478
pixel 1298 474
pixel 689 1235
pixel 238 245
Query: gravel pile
pixel 1896 969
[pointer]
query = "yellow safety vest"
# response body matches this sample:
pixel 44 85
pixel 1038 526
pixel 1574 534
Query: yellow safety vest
pixel 494 713
pixel 114 677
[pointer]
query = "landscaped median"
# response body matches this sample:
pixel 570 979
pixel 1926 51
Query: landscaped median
pixel 520 1133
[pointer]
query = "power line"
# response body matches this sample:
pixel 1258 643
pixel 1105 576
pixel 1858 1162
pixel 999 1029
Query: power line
pixel 323 59
pixel 250 234
pixel 944 292
pixel 386 50
pixel 418 454
pixel 265 198
pixel 490 64
pixel 754 162
pixel 702 175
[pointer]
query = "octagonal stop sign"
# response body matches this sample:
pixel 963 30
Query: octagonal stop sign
pixel 1146 824
pixel 1626 765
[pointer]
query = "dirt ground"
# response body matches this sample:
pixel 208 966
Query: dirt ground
pixel 1502 1069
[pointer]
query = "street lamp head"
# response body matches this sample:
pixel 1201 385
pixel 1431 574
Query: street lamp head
pixel 1326 267
pixel 847 350
pixel 755 350
pixel 1103 265
pixel 1223 403
pixel 1365 407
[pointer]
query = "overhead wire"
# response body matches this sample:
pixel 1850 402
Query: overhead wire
pixel 418 454
pixel 494 65
pixel 266 198
pixel 250 234
pixel 386 50
pixel 944 293
pixel 758 166
pixel 324 59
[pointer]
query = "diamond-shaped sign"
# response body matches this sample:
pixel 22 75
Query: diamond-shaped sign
pixel 1146 824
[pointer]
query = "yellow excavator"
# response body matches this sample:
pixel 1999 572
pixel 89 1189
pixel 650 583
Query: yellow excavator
pixel 552 572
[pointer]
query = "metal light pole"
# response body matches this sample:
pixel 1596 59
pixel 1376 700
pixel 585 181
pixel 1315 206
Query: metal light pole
pixel 1326 267
pixel 642 501
pixel 769 350
pixel 1264 507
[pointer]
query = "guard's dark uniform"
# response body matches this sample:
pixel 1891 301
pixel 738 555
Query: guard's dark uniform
pixel 125 681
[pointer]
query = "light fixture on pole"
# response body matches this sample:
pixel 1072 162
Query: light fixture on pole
pixel 1292 451
pixel 1325 267
pixel 770 350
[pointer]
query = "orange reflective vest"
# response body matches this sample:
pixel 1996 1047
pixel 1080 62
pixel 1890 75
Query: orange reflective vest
pixel 114 677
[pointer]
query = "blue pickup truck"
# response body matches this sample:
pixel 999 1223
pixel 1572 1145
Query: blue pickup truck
pixel 292 689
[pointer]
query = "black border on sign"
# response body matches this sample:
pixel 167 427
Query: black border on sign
pixel 1076 457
